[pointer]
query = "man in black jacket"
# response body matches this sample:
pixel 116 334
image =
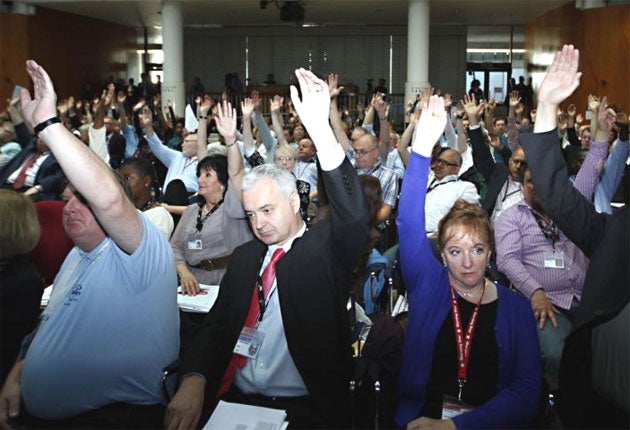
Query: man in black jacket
pixel 594 372
pixel 298 357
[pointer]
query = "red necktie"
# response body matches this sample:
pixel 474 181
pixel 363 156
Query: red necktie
pixel 268 277
pixel 21 177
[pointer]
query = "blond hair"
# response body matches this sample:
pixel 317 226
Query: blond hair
pixel 20 227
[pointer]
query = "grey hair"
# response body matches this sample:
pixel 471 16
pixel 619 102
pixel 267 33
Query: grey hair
pixel 281 177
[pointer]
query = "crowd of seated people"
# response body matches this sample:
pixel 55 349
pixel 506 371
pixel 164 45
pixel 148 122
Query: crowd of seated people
pixel 489 249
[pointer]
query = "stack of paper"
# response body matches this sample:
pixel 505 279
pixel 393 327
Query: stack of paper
pixel 200 302
pixel 234 416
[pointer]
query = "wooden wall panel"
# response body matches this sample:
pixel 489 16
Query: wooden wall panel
pixel 603 37
pixel 72 48
pixel 13 53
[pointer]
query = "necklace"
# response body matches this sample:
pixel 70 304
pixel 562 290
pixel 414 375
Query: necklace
pixel 200 219
pixel 473 292
pixel 148 205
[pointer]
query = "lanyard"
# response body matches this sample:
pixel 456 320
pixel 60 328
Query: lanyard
pixel 463 346
pixel 188 163
pixel 548 229
pixel 433 187
pixel 507 188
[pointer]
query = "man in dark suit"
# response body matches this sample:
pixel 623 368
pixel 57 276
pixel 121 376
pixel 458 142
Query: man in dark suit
pixel 304 361
pixel 34 170
pixel 504 188
pixel 594 372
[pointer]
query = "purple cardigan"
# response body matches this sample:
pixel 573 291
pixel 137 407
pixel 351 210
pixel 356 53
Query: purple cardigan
pixel 519 374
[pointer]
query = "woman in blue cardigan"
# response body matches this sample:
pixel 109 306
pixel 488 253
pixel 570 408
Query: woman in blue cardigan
pixel 471 357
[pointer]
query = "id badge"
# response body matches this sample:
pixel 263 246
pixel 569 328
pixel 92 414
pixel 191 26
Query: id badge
pixel 451 407
pixel 249 342
pixel 554 261
pixel 195 244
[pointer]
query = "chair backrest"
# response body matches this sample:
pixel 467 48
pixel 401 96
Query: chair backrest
pixel 54 244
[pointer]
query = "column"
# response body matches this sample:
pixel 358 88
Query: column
pixel 417 48
pixel 173 86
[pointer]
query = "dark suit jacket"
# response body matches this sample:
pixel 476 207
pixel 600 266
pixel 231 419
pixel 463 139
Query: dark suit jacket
pixel 312 279
pixel 495 174
pixel 49 176
pixel 605 240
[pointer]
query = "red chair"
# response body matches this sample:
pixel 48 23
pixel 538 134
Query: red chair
pixel 54 244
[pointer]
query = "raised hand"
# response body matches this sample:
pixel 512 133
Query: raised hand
pixel 495 142
pixel 425 96
pixel 606 116
pixel 145 118
pixel 448 101
pixel 204 106
pixel 333 82
pixel 515 99
pixel 275 103
pixel 430 126
pixel 44 102
pixel 314 106
pixel 579 119
pixel 121 97
pixel 562 78
pixel 381 106
pixel 491 105
pixel 571 110
pixel 62 107
pixel 139 105
pixel 473 110
pixel 247 107
pixel 593 102
pixel 109 95
pixel 226 122
pixel 256 100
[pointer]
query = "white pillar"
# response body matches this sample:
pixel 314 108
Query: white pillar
pixel 417 48
pixel 173 86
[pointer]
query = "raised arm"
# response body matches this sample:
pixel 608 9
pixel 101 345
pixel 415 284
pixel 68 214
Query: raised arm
pixel 405 139
pixel 574 214
pixel 226 126
pixel 588 176
pixel 515 108
pixel 348 213
pixel 89 175
pixel 382 110
pixel 614 167
pixel 335 118
pixel 368 120
pixel 249 145
pixel 275 105
pixel 416 256
pixel 202 130
pixel 482 157
pixel 263 129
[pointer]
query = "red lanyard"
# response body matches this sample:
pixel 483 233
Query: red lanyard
pixel 463 346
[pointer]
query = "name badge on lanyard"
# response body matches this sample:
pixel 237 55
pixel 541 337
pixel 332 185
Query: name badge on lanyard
pixel 554 260
pixel 249 342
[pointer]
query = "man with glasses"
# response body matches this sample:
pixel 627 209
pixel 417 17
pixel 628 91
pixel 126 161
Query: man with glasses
pixel 504 188
pixel 367 162
pixel 445 188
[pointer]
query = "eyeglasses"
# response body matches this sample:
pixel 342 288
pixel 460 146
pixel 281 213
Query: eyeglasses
pixel 446 163
pixel 284 159
pixel 363 152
